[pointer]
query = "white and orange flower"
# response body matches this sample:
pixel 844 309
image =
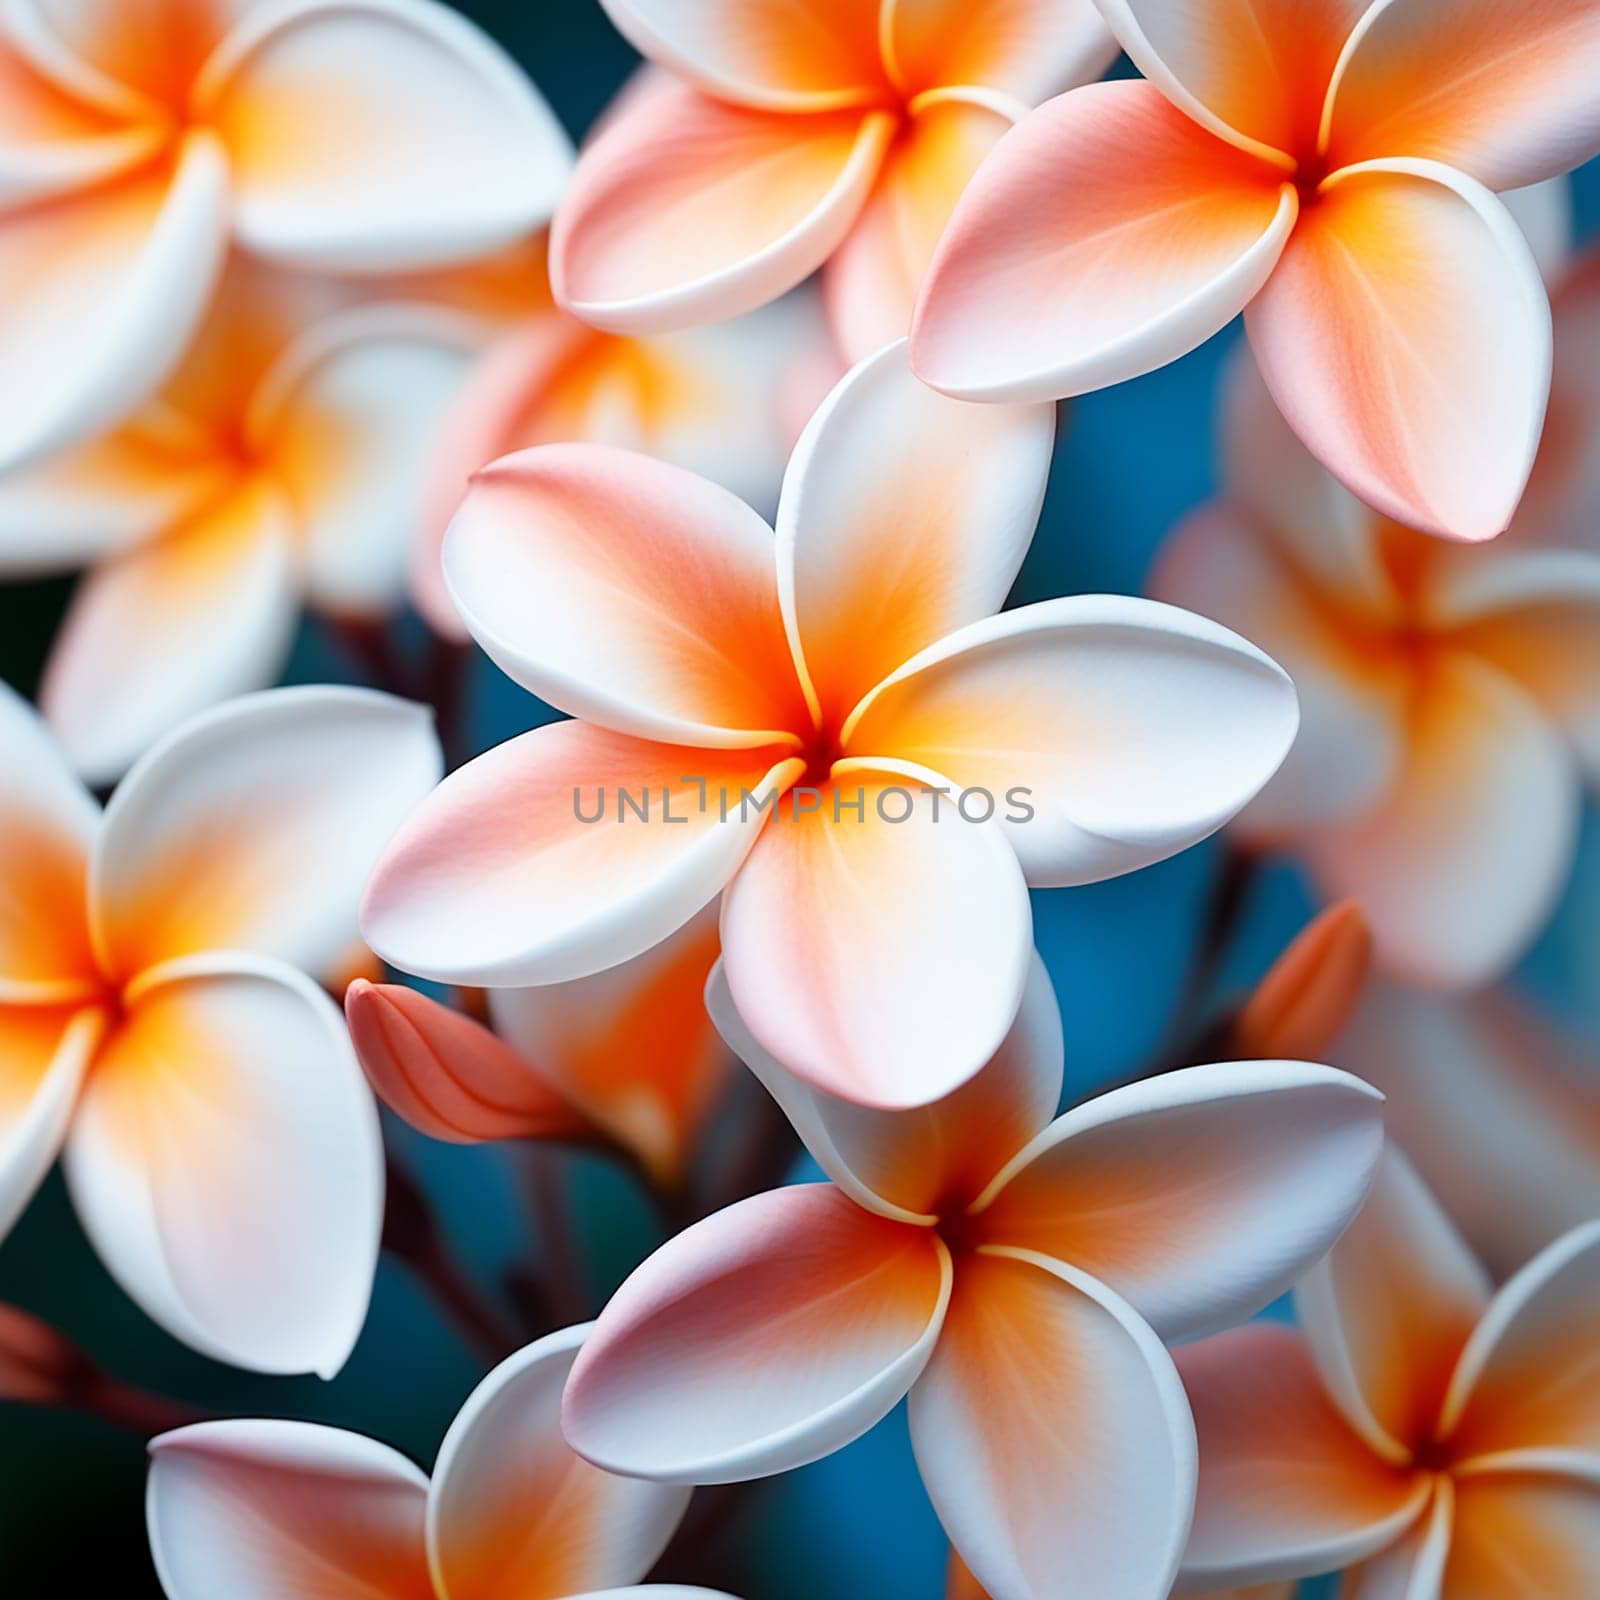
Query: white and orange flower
pixel 779 136
pixel 1450 699
pixel 262 1510
pixel 1427 1436
pixel 1015 1275
pixel 850 677
pixel 961 1585
pixel 139 136
pixel 158 1027
pixel 1329 167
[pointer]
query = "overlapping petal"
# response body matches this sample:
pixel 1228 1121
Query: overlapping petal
pixel 1520 1537
pixel 1413 1567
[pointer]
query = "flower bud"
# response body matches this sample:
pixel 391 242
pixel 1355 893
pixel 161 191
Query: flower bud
pixel 1302 1005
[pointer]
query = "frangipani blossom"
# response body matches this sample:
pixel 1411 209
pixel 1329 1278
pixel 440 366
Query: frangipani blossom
pixel 628 1054
pixel 284 461
pixel 962 1585
pixel 1325 166
pixel 1434 1439
pixel 1015 1275
pixel 1450 700
pixel 783 135
pixel 263 1510
pixel 810 709
pixel 139 138
pixel 158 1027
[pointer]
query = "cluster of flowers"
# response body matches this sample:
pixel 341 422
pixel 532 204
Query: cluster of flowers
pixel 283 325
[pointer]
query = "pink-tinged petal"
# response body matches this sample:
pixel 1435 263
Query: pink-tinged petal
pixel 904 516
pixel 173 627
pixel 767 1336
pixel 534 864
pixel 514 1511
pixel 1028 49
pixel 1460 865
pixel 1412 1568
pixel 346 420
pixel 448 1075
pixel 348 129
pixel 45 1052
pixel 782 55
pixel 685 209
pixel 1287 1487
pixel 629 592
pixel 1406 337
pixel 1389 1310
pixel 868 893
pixel 1523 1537
pixel 1544 213
pixel 1053 1436
pixel 1128 234
pixel 48 823
pixel 1529 1377
pixel 255 826
pixel 1500 89
pixel 873 280
pixel 226 1077
pixel 935 1160
pixel 1199 1196
pixel 285 1511
pixel 1255 72
pixel 632 1047
pixel 101 292
pixel 1108 732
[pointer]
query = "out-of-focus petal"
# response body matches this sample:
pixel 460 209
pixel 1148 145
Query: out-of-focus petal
pixel 166 630
pixel 1406 337
pixel 226 1163
pixel 685 209
pixel 1501 90
pixel 904 516
pixel 633 1046
pixel 533 864
pixel 1053 1436
pixel 867 894
pixel 629 592
pixel 1302 1006
pixel 1199 1196
pixel 1287 1487
pixel 1523 1537
pixel 255 826
pixel 1130 235
pixel 1544 213
pixel 1459 866
pixel 348 129
pixel 764 1337
pixel 1389 1310
pixel 1108 732
pixel 513 1511
pixel 934 1160
pixel 268 1510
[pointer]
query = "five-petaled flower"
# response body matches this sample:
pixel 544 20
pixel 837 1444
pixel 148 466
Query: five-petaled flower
pixel 1325 166
pixel 158 1027
pixel 1015 1275
pixel 1435 1438
pixel 857 655
pixel 1450 699
pixel 785 134
pixel 260 1510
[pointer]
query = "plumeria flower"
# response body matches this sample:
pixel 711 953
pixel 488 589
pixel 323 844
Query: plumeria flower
pixel 628 1055
pixel 1451 699
pixel 1439 1440
pixel 158 1027
pixel 138 139
pixel 1015 1275
pixel 283 462
pixel 782 135
pixel 1325 166
pixel 963 1586
pixel 263 1510
pixel 813 711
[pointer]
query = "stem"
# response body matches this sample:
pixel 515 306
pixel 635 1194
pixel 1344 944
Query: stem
pixel 140 1411
pixel 762 1159
pixel 544 1185
pixel 693 1555
pixel 445 676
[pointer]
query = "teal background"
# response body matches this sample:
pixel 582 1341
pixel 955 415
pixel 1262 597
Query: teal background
pixel 1131 462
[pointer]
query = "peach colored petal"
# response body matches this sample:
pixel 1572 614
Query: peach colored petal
pixel 1312 990
pixel 687 210
pixel 1413 1567
pixel 1130 234
pixel 1523 1537
pixel 1406 336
